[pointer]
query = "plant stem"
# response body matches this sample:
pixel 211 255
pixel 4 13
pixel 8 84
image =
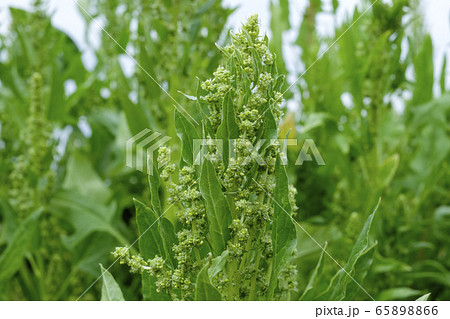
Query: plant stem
pixel 253 281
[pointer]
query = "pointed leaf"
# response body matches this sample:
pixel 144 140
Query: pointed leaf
pixel 154 182
pixel 228 129
pixel 424 297
pixel 187 134
pixel 284 235
pixel 110 289
pixel 204 290
pixel 217 209
pixel 218 264
pixel 311 288
pixel 150 244
pixel 19 246
pixel 339 285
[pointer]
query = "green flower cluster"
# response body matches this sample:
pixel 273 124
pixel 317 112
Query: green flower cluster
pixel 247 87
pixel 190 237
pixel 27 190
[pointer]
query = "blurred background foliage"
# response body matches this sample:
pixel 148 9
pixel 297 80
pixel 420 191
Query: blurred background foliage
pixel 370 104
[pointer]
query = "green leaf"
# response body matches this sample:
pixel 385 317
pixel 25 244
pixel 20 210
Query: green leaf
pixel 269 130
pixel 151 244
pixel 424 70
pixel 187 134
pixel 155 185
pixel 398 293
pixel 360 259
pixel 204 290
pixel 19 246
pixel 82 177
pixel 218 264
pixel 10 220
pixel 284 236
pixel 228 129
pixel 361 269
pixel 442 81
pixel 311 289
pixel 217 210
pixel 167 232
pixel 424 297
pixel 388 170
pixel 56 107
pixel 86 215
pixel 110 289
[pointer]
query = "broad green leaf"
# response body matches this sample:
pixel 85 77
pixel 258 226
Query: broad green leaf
pixel 217 209
pixel 82 178
pixel 187 134
pixel 311 288
pixel 284 236
pixel 18 247
pixel 228 129
pixel 110 289
pixel 360 257
pixel 204 290
pixel 88 254
pixel 86 216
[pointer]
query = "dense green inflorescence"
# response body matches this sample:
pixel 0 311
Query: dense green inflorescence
pixel 235 214
pixel 31 179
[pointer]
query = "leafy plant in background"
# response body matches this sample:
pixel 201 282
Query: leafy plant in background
pixel 169 41
pixel 372 148
pixel 62 153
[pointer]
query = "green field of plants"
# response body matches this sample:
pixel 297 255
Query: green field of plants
pixel 190 178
